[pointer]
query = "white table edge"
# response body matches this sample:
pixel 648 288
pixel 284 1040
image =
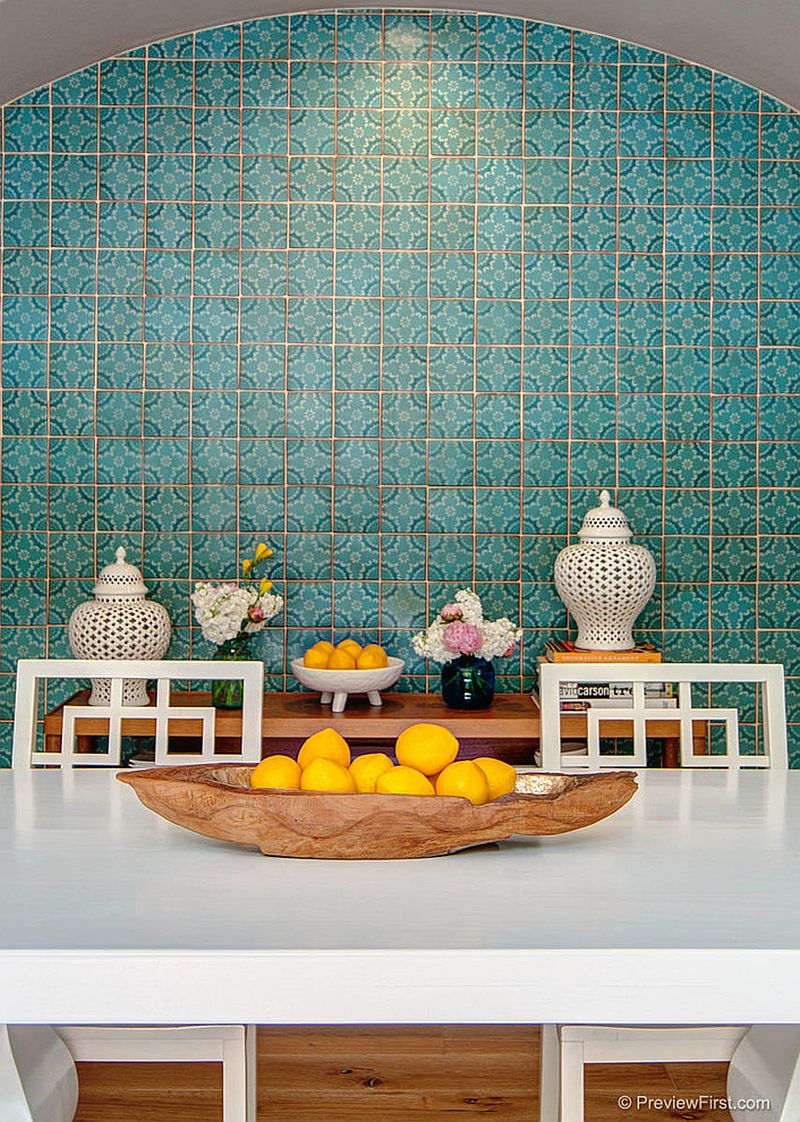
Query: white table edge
pixel 399 986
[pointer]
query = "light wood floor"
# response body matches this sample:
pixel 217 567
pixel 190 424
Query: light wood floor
pixel 392 1074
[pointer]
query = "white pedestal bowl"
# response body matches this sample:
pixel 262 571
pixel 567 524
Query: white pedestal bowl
pixel 335 685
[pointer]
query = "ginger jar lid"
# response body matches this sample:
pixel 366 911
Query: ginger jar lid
pixel 605 523
pixel 119 580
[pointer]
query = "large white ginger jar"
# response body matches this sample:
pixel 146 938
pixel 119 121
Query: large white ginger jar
pixel 119 623
pixel 605 581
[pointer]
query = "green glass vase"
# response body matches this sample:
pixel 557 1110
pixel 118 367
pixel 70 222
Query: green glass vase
pixel 228 693
pixel 468 683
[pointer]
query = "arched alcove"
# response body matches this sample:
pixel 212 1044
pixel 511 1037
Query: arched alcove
pixel 757 43
pixel 400 292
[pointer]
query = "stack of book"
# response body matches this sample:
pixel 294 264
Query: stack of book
pixel 577 696
pixel 564 650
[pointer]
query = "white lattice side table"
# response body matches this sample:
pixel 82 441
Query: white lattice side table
pixel 769 676
pixel 31 671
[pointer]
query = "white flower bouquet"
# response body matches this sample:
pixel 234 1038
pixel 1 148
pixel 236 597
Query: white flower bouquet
pixel 231 612
pixel 461 629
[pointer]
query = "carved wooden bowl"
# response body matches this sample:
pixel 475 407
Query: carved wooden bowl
pixel 216 800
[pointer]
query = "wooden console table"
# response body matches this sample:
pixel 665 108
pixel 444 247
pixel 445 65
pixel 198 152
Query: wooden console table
pixel 508 730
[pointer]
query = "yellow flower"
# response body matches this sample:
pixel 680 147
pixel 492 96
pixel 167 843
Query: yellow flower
pixel 262 551
pixel 265 586
pixel 246 567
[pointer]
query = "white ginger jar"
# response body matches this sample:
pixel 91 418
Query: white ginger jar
pixel 605 581
pixel 119 623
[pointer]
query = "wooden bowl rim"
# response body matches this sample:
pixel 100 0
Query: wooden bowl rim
pixel 191 773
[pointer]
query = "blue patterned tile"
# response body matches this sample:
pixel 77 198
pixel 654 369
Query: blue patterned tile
pixel 169 82
pixel 265 131
pixel 498 275
pixel 358 274
pixel 450 275
pixel 26 176
pixel 642 134
pixel 499 133
pixel 310 274
pixel 548 86
pixel 218 42
pixel 307 461
pixel 359 132
pixel 405 180
pixel 452 132
pixel 736 230
pixel 404 274
pixel 594 86
pixel 265 38
pixel 357 226
pixel 499 37
pixel 449 462
pixel 780 137
pixel 357 414
pixel 402 461
pixel 358 320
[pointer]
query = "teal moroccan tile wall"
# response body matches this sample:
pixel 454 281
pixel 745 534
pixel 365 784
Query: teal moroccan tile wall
pixel 399 292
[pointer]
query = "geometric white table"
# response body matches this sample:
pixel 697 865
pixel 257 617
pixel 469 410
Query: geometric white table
pixel 683 907
pixel 685 678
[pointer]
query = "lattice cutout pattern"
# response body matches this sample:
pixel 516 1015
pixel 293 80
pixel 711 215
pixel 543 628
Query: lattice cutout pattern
pixel 118 673
pixel 773 713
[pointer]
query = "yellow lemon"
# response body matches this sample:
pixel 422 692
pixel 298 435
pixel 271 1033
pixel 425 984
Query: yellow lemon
pixel 327 744
pixel 351 646
pixel 367 769
pixel 465 780
pixel 327 775
pixel 323 645
pixel 277 771
pixel 428 748
pixel 404 781
pixel 341 660
pixel 500 776
pixel 316 658
pixel 372 657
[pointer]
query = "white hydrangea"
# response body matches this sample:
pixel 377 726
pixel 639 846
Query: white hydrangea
pixel 225 611
pixel 428 644
pixel 499 637
pixel 471 607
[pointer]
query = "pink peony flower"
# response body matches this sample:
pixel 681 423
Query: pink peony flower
pixel 255 614
pixel 451 612
pixel 462 638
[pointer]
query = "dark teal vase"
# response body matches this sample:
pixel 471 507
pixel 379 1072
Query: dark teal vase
pixel 468 683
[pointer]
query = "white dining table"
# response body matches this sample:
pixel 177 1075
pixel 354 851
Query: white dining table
pixel 684 906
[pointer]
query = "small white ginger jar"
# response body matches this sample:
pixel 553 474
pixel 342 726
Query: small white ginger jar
pixel 605 581
pixel 119 623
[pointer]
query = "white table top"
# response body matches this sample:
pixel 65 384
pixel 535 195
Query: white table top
pixel 684 906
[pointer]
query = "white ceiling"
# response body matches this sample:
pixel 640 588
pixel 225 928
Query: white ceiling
pixel 757 41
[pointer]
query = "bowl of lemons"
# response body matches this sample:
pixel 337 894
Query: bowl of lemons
pixel 421 798
pixel 424 762
pixel 347 668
